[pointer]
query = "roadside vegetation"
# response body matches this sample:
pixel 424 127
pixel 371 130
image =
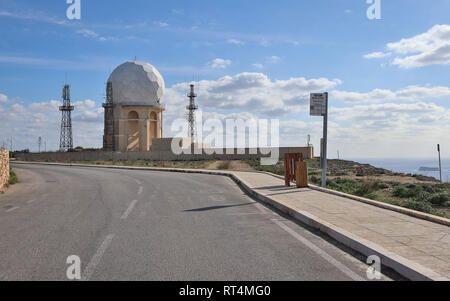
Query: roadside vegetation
pixel 13 179
pixel 415 192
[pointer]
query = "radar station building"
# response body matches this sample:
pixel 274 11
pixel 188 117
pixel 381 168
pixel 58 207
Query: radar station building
pixel 133 110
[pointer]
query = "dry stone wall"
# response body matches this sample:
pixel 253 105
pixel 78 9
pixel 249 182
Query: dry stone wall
pixel 4 167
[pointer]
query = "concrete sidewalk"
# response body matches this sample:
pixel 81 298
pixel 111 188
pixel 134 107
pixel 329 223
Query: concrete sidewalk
pixel 405 243
pixel 414 247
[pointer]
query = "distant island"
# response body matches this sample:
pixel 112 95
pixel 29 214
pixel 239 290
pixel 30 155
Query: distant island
pixel 429 169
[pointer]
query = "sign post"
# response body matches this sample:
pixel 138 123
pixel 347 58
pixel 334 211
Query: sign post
pixel 319 107
pixel 440 164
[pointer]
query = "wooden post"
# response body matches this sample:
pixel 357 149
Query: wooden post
pixel 302 174
pixel 287 164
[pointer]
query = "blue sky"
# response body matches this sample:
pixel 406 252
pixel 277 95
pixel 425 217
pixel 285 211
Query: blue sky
pixel 400 94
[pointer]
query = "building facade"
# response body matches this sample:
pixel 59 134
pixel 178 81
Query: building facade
pixel 134 110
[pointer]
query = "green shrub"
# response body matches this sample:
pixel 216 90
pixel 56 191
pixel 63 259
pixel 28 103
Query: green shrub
pixel 408 191
pixel 372 196
pixel 430 189
pixel 315 180
pixel 12 178
pixel 331 184
pixel 381 185
pixel 439 198
pixel 418 205
pixel 365 189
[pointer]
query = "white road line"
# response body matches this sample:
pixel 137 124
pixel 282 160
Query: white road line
pixel 129 209
pixel 31 201
pixel 320 252
pixel 95 260
pixel 12 209
pixel 141 189
pixel 138 182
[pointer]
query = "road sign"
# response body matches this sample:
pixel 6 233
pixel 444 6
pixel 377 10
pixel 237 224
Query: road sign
pixel 319 107
pixel 318 104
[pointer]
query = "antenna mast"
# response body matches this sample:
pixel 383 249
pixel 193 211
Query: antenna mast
pixel 192 107
pixel 108 139
pixel 66 139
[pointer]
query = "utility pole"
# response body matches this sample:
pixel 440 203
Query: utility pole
pixel 66 139
pixel 192 107
pixel 325 142
pixel 440 164
pixel 39 144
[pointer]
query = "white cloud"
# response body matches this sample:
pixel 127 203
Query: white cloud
pixel 45 107
pixel 27 123
pixel 410 93
pixel 371 130
pixel 85 105
pixel 274 59
pixel 220 63
pixel 264 42
pixel 252 92
pixel 258 66
pixel 387 130
pixel 235 42
pixel 386 111
pixel 429 48
pixel 33 15
pixel 162 24
pixel 377 55
pixel 17 108
pixel 293 42
pixel 3 98
pixel 87 33
pixel 178 11
pixel 94 63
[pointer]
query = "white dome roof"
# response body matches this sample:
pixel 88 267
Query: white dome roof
pixel 137 84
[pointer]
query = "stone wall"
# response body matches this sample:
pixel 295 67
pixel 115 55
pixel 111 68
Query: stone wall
pixel 227 154
pixel 4 167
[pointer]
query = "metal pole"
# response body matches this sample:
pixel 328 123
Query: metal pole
pixel 325 139
pixel 440 164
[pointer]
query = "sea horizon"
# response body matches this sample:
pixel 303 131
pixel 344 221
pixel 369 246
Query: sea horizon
pixel 409 165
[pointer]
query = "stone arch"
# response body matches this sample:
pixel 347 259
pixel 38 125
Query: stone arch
pixel 133 131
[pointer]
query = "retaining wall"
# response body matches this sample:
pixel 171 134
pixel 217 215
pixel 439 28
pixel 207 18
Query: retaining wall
pixel 4 167
pixel 205 154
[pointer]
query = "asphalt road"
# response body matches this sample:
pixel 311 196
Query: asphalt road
pixel 143 225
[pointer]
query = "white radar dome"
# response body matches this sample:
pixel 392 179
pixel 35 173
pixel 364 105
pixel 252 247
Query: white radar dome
pixel 137 84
